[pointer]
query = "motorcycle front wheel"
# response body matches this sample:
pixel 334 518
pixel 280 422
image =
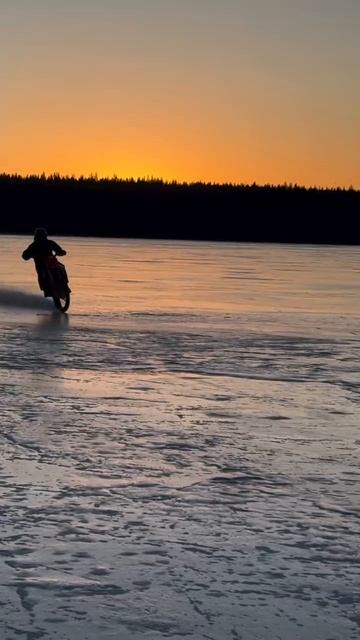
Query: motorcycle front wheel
pixel 62 303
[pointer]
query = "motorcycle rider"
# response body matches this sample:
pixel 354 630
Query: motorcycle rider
pixel 41 249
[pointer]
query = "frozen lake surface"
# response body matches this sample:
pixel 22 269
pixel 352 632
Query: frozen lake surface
pixel 180 454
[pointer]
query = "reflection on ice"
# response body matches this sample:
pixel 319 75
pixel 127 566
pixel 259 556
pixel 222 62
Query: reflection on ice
pixel 51 323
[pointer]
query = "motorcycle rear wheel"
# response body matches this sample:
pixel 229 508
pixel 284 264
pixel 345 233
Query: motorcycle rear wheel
pixel 62 303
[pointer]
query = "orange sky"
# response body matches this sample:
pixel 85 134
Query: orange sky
pixel 223 91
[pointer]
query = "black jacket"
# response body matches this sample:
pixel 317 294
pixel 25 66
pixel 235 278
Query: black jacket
pixel 40 249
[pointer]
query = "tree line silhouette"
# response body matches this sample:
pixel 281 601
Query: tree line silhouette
pixel 152 208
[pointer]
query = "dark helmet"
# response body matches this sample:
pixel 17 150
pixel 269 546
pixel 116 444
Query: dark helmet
pixel 40 234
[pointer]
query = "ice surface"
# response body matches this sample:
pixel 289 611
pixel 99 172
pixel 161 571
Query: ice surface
pixel 180 454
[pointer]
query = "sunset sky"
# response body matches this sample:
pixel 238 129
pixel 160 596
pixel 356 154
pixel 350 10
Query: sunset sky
pixel 214 90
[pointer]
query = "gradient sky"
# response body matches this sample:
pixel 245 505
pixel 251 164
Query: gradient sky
pixel 218 90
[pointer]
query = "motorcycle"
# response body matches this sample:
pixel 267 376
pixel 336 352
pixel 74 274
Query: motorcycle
pixel 55 283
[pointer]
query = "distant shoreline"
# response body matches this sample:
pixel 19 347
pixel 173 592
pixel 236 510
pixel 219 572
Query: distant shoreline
pixel 153 209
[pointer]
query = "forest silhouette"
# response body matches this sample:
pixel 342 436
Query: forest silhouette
pixel 152 208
